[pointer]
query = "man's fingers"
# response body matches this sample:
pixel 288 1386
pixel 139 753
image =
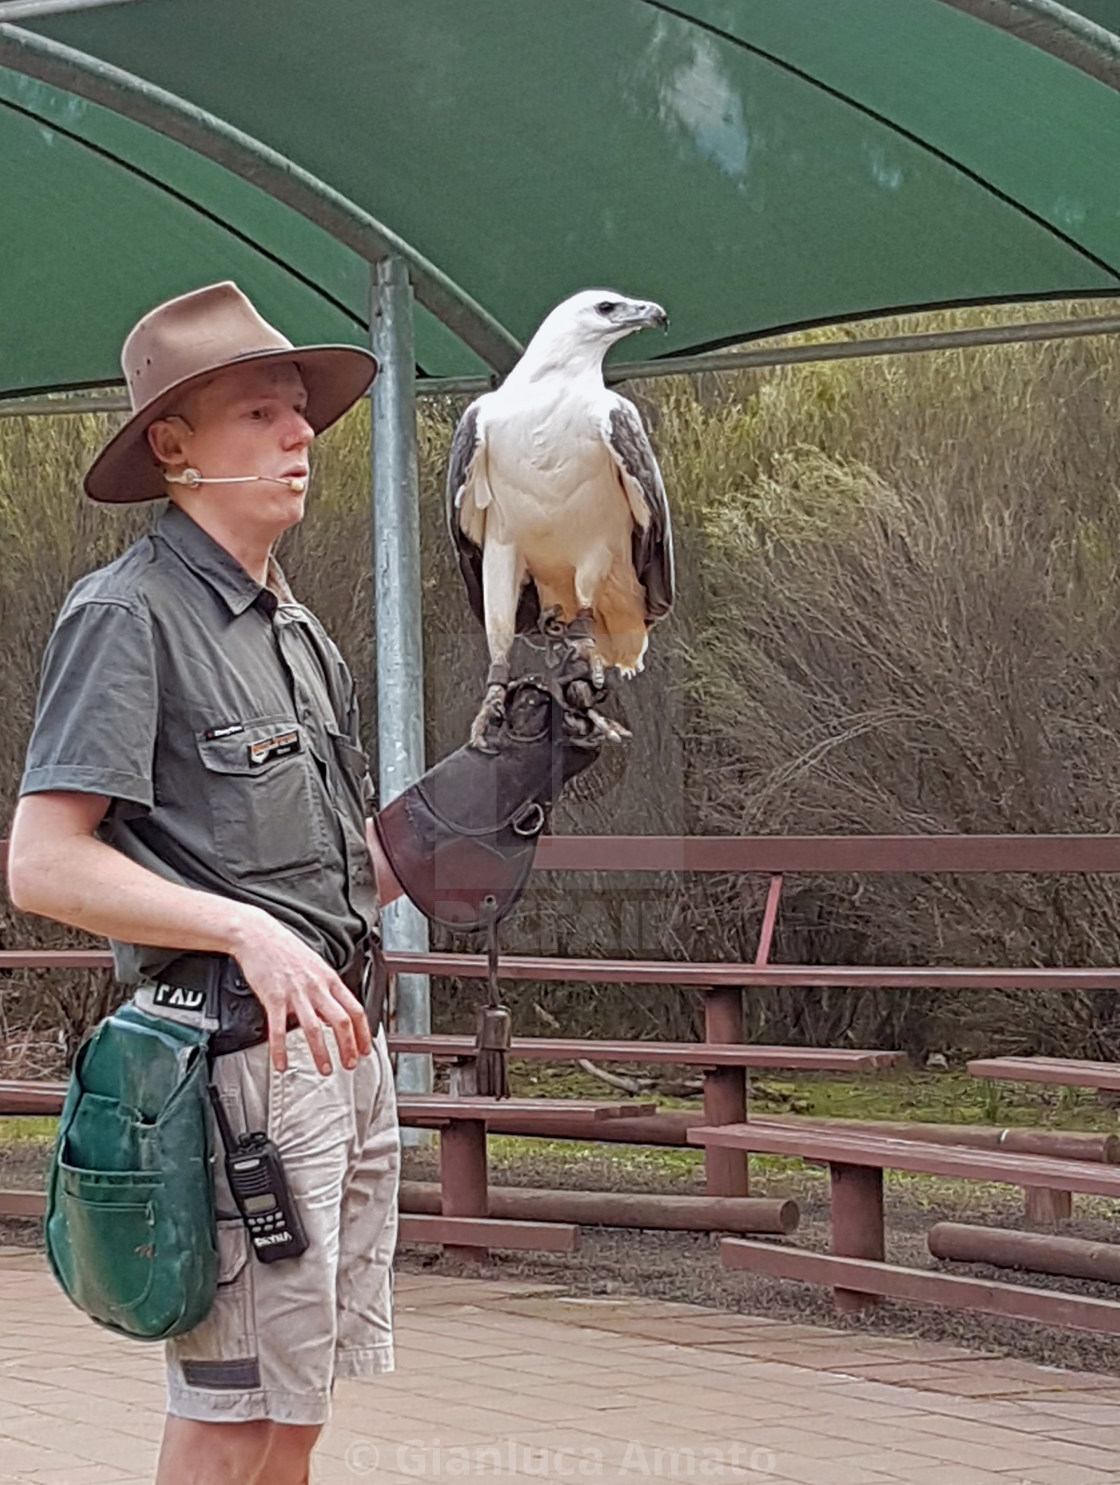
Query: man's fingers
pixel 357 1022
pixel 278 1036
pixel 313 1031
pixel 346 1018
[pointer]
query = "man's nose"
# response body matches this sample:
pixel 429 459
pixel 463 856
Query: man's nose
pixel 300 433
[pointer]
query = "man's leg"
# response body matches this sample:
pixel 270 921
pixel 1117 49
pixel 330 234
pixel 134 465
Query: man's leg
pixel 260 1453
pixel 288 1461
pixel 211 1453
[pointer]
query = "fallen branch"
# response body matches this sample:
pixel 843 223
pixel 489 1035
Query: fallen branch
pixel 614 1080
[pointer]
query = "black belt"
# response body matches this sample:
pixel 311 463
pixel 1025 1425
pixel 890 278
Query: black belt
pixel 241 1018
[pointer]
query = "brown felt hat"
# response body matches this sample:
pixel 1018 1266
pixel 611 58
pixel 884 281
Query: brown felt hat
pixel 187 340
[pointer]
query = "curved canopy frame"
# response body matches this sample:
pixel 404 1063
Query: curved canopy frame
pixel 142 102
pixel 758 168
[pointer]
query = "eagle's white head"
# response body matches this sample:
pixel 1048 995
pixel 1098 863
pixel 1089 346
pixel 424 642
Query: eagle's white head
pixel 577 334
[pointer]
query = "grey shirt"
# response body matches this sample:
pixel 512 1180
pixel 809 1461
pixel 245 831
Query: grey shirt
pixel 221 721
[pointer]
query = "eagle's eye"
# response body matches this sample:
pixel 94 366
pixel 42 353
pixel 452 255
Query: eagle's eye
pixel 606 307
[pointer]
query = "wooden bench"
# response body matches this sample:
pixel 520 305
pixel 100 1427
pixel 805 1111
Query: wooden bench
pixel 723 984
pixel 1069 1072
pixel 855 1267
pixel 464 1173
pixel 678 1054
pixel 725 1064
pixel 457 1212
pixel 464 1225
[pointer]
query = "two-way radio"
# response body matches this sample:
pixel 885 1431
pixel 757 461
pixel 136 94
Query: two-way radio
pixel 260 1188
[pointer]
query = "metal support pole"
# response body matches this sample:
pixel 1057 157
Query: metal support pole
pixel 400 644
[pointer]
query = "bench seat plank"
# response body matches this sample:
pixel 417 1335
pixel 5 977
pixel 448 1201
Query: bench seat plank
pixel 686 1054
pixel 414 1107
pixel 19 1097
pixel 885 1153
pixel 922 1286
pixel 692 975
pixel 46 1098
pixel 701 976
pixel 1069 1072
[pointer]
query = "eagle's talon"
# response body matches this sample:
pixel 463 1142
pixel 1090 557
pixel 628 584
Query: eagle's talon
pixel 584 648
pixel 611 731
pixel 490 714
pixel 551 622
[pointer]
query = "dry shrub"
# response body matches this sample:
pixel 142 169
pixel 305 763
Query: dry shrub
pixel 896 614
pixel 911 629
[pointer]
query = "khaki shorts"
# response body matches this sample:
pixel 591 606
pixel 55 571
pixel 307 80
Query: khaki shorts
pixel 280 1333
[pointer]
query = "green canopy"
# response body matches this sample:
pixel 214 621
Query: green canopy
pixel 754 166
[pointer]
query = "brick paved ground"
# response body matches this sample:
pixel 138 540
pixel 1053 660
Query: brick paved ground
pixel 504 1381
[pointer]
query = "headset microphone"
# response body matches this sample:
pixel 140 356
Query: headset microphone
pixel 192 478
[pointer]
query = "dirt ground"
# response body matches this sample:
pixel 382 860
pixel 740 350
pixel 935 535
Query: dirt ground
pixel 685 1266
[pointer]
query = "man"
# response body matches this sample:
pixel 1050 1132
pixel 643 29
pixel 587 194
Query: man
pixel 195 792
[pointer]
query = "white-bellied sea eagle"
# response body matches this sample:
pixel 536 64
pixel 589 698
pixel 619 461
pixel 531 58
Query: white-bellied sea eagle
pixel 555 499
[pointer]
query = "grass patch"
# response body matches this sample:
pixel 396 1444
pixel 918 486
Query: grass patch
pixel 935 1097
pixel 26 1130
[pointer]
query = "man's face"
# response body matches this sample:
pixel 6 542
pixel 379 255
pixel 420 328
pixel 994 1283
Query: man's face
pixel 249 420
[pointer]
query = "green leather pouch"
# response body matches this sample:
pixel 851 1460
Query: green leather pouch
pixel 130 1227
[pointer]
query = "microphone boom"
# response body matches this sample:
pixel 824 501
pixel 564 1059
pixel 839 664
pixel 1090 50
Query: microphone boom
pixel 193 479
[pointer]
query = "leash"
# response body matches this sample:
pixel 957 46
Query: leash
pixel 495 1025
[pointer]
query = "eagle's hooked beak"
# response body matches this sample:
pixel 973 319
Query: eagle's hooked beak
pixel 649 315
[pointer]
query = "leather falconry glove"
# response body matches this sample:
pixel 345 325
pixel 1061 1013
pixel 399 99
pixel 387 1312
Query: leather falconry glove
pixel 462 839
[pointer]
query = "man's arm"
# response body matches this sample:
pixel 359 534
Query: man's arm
pixel 388 888
pixel 57 868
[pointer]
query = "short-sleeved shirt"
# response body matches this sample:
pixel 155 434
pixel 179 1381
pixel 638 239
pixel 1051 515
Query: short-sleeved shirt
pixel 221 721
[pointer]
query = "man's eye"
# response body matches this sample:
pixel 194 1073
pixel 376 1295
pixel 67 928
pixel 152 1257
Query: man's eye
pixel 259 413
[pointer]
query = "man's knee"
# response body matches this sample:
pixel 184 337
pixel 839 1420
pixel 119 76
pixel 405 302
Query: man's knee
pixel 197 1453
pixel 289 1453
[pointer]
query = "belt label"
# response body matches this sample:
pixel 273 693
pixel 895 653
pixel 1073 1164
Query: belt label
pixel 175 996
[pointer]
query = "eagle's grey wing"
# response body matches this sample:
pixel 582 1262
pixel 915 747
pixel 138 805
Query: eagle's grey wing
pixel 467 524
pixel 465 445
pixel 652 541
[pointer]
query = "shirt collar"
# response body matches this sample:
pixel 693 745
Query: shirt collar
pixel 211 562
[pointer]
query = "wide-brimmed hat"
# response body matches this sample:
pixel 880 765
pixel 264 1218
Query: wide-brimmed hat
pixel 187 340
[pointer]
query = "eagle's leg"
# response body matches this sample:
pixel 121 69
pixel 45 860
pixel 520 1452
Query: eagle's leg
pixel 581 636
pixel 493 708
pixel 502 574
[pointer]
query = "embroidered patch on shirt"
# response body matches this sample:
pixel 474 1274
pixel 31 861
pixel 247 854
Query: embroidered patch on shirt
pixel 273 747
pixel 229 730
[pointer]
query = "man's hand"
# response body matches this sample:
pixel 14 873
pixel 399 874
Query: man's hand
pixel 59 869
pixel 291 980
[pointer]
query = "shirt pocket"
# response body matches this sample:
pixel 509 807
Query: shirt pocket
pixel 265 818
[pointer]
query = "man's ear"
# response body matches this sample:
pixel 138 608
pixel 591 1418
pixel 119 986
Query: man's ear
pixel 165 439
